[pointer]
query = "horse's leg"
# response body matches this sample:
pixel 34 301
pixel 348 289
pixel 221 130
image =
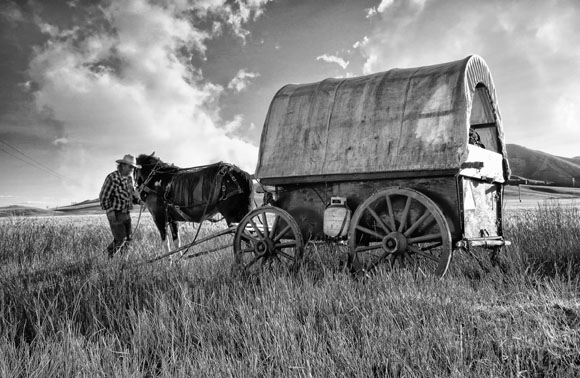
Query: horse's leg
pixel 161 224
pixel 174 227
pixel 159 216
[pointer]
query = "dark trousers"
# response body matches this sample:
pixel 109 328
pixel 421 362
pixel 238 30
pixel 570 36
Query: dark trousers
pixel 120 223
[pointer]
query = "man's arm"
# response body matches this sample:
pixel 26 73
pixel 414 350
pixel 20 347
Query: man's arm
pixel 105 195
pixel 135 193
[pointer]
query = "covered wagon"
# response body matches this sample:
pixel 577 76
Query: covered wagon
pixel 413 162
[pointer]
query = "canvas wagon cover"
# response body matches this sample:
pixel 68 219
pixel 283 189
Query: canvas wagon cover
pixel 414 119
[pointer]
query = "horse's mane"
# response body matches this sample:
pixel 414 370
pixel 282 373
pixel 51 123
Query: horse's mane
pixel 150 161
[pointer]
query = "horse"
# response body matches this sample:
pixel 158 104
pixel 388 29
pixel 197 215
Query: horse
pixel 173 194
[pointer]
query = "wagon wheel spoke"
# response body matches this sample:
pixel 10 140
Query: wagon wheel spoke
pixel 424 238
pixel 265 223
pixel 285 255
pixel 403 220
pixel 252 262
pixel 402 263
pixel 427 217
pixel 249 237
pixel 379 220
pixel 422 253
pixel 274 225
pixel 281 234
pixel 429 247
pixel 390 210
pixel 392 260
pixel 368 248
pixel 378 261
pixel 256 229
pixel 286 245
pixel 370 232
pixel 412 258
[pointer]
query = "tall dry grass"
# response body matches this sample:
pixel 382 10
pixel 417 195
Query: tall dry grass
pixel 65 310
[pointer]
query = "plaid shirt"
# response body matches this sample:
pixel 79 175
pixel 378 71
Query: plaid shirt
pixel 117 192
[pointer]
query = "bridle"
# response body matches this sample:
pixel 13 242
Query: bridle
pixel 143 187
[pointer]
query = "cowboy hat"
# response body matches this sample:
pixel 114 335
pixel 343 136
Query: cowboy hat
pixel 130 160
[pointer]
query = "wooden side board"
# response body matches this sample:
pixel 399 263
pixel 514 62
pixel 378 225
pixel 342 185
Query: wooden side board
pixel 306 202
pixel 481 204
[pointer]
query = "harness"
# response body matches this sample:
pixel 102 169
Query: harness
pixel 220 192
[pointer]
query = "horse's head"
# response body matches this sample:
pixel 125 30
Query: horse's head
pixel 148 164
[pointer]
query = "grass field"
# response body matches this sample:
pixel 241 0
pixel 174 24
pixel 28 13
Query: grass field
pixel 65 310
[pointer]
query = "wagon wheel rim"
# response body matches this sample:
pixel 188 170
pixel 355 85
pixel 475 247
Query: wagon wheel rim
pixel 400 227
pixel 268 238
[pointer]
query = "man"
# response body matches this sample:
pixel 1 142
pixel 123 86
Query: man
pixel 117 197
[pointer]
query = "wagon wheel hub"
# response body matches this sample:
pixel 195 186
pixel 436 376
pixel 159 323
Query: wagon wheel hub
pixel 265 247
pixel 395 242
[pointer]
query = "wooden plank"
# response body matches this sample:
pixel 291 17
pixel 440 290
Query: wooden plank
pixel 334 178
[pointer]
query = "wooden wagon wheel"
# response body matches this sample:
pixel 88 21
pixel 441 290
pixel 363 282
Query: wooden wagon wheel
pixel 403 227
pixel 268 236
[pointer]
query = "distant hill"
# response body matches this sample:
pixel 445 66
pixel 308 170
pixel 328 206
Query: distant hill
pixel 575 160
pixel 88 205
pixel 543 167
pixel 20 211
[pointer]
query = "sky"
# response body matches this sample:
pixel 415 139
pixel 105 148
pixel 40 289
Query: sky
pixel 84 82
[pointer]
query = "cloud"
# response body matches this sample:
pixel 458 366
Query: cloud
pixel 234 14
pixel 371 12
pixel 242 79
pixel 125 84
pixel 363 42
pixel 333 59
pixel 60 141
pixel 9 11
pixel 386 4
pixel 532 49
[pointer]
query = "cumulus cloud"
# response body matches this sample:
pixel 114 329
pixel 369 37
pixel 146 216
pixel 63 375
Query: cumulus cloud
pixel 530 47
pixel 127 85
pixel 333 59
pixel 242 79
